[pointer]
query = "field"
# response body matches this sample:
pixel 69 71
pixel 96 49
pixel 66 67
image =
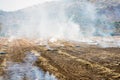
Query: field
pixel 67 60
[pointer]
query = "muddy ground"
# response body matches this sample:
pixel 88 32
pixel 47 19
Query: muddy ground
pixel 66 60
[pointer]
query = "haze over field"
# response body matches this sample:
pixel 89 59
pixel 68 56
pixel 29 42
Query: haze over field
pixel 66 19
pixel 59 39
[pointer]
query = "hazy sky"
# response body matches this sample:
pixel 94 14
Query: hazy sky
pixel 12 5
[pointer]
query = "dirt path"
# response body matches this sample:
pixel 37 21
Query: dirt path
pixel 67 60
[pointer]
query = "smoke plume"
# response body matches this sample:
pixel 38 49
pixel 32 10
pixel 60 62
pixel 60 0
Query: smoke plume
pixel 26 70
pixel 75 20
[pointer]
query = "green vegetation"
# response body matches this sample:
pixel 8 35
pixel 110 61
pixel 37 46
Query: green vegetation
pixel 117 27
pixel 0 27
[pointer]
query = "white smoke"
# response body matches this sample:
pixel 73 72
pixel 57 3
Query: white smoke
pixel 75 20
pixel 26 70
pixel 58 20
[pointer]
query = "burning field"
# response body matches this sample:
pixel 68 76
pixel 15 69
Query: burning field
pixel 60 40
pixel 24 59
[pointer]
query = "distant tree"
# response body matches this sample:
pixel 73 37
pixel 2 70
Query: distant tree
pixel 117 26
pixel 0 27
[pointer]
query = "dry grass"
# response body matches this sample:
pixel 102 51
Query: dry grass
pixel 67 60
